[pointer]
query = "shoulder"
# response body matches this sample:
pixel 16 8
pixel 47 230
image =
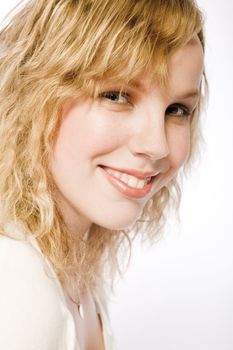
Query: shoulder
pixel 22 264
pixel 31 315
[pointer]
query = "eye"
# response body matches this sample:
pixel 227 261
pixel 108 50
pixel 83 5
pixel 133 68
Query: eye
pixel 178 110
pixel 117 97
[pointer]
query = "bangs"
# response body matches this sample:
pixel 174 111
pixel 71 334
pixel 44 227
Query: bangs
pixel 132 37
pixel 89 41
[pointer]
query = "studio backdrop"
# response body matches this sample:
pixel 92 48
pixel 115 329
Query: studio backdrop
pixel 178 295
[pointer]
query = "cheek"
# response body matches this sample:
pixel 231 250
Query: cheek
pixel 84 135
pixel 179 145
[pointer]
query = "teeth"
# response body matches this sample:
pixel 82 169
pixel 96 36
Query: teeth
pixel 130 180
pixel 136 183
pixel 124 178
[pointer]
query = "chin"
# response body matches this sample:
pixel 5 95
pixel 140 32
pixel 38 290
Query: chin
pixel 122 223
pixel 119 227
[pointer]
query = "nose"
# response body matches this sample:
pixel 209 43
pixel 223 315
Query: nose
pixel 150 137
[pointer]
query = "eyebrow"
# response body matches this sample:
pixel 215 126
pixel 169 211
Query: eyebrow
pixel 190 94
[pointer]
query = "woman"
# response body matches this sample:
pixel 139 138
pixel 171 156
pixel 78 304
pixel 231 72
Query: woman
pixel 99 112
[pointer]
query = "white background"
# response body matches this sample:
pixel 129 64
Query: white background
pixel 178 295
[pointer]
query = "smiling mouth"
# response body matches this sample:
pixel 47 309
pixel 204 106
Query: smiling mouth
pixel 129 186
pixel 128 178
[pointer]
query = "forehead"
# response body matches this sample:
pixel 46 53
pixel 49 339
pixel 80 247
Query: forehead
pixel 186 66
pixel 185 71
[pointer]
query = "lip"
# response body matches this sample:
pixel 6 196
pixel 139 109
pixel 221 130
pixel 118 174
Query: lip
pixel 139 174
pixel 129 192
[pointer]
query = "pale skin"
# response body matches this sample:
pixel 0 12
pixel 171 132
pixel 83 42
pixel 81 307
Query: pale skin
pixel 147 129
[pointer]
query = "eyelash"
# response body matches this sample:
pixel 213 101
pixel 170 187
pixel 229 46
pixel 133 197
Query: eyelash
pixel 185 110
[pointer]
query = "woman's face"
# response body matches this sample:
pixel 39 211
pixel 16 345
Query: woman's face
pixel 143 128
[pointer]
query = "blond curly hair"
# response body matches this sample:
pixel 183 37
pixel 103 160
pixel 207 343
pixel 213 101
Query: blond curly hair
pixel 55 50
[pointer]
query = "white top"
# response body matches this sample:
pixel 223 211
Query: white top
pixel 33 310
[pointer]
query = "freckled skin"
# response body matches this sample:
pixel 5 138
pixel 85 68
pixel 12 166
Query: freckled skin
pixel 138 136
